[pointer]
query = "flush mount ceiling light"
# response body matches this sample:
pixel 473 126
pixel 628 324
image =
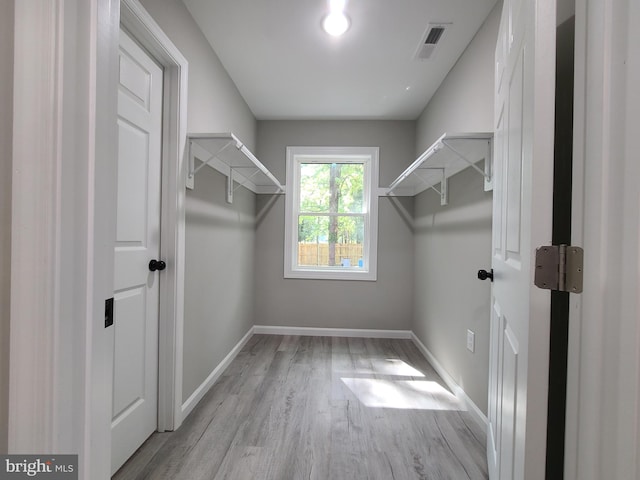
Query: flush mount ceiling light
pixel 336 23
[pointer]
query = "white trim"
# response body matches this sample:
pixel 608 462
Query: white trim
pixel 64 146
pixel 330 332
pixel 36 218
pixel 101 180
pixel 202 390
pixel 603 391
pixel 370 157
pixel 572 429
pixel 147 32
pixel 457 390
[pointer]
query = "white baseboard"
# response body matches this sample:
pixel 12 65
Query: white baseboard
pixel 451 383
pixel 202 390
pixel 331 332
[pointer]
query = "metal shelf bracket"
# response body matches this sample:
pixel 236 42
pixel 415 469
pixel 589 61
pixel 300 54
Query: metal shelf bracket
pixel 193 170
pixel 486 173
pixel 444 185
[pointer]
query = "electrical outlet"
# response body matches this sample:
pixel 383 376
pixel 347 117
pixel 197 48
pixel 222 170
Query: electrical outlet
pixel 471 341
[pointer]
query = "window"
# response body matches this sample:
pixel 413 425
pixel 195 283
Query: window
pixel 331 225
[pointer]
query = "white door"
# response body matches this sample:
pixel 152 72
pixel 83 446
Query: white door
pixel 135 373
pixel 522 219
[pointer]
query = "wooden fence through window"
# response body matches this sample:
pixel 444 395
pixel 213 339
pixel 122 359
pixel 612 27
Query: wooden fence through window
pixel 317 254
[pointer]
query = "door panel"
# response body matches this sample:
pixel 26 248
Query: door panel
pixel 514 165
pixel 508 401
pixel 129 365
pixel 495 395
pixel 132 173
pixel 135 79
pixel 498 169
pixel 135 370
pixel 522 220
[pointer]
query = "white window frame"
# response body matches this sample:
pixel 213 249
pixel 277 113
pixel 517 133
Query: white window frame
pixel 366 155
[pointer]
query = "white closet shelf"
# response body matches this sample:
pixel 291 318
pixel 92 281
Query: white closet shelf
pixel 448 155
pixel 227 154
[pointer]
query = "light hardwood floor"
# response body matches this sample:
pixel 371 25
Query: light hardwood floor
pixel 291 408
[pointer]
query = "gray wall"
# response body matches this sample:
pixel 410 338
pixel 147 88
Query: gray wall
pixel 454 241
pixel 219 274
pixel 384 304
pixel 215 105
pixel 464 101
pixel 451 244
pixel 6 129
pixel 219 236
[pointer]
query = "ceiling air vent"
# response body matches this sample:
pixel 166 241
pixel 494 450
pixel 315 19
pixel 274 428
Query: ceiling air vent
pixel 430 40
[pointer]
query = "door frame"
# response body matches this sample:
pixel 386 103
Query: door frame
pixel 603 386
pixel 149 35
pixel 63 180
pixel 63 223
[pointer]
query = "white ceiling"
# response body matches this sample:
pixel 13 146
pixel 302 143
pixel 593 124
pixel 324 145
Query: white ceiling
pixel 287 67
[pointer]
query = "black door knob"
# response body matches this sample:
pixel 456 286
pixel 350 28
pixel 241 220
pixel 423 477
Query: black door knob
pixel 157 265
pixel 483 274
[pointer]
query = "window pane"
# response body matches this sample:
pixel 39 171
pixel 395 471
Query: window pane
pixel 314 187
pixel 349 182
pixel 330 241
pixel 312 229
pixel 332 187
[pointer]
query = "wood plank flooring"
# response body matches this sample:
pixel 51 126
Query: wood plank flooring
pixel 322 408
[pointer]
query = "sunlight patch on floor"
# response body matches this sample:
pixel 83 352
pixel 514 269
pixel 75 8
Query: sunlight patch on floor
pixel 402 394
pixel 394 366
pixel 387 366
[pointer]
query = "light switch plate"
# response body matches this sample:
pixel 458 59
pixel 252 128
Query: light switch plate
pixel 108 312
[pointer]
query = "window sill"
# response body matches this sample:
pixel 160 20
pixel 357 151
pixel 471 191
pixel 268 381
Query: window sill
pixel 332 275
